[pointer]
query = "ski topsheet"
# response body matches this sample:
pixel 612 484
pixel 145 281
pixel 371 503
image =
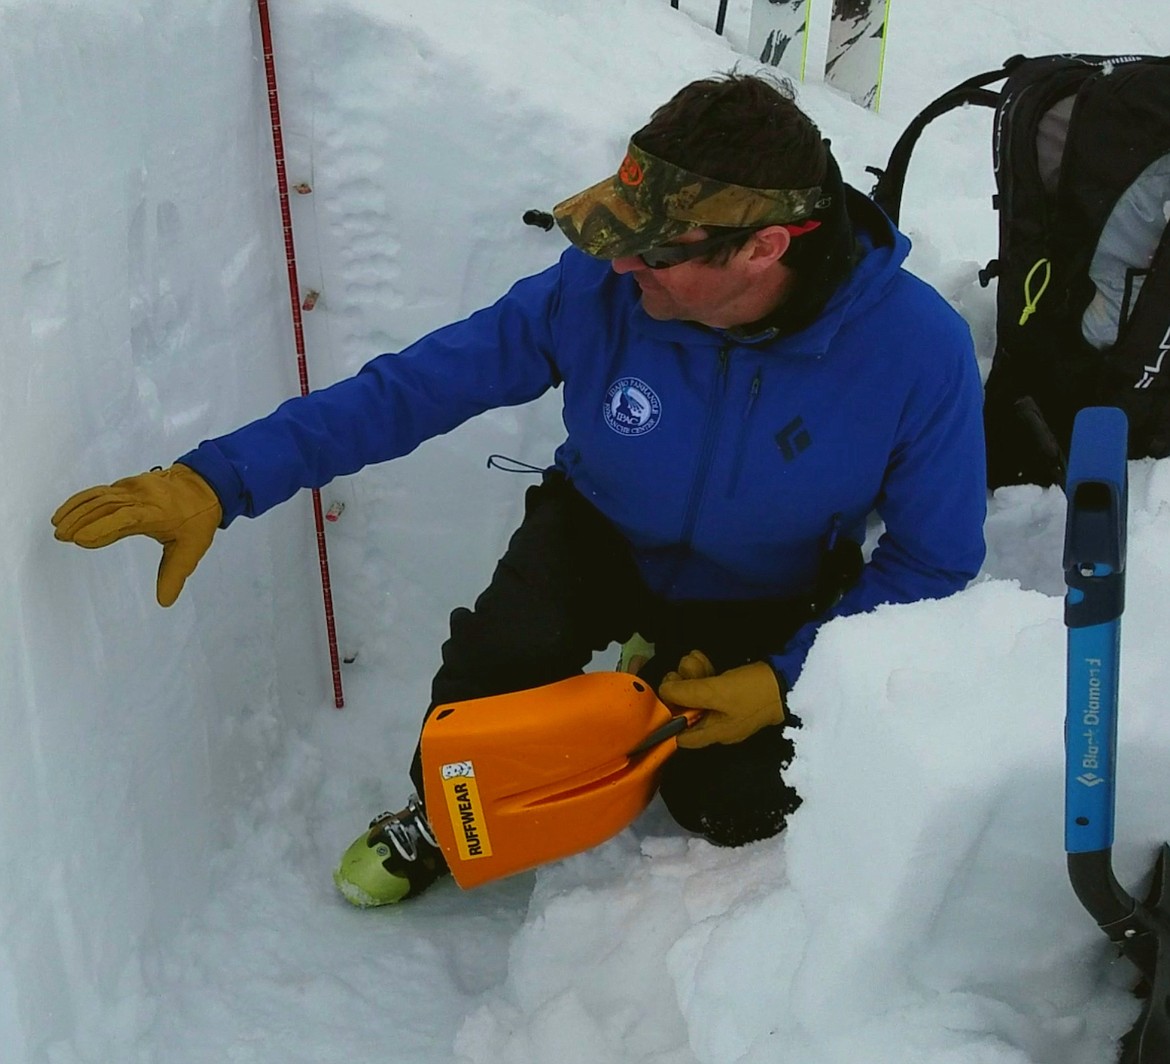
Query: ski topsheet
pixel 778 34
pixel 857 49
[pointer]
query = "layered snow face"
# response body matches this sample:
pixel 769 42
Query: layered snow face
pixel 142 311
pixel 176 787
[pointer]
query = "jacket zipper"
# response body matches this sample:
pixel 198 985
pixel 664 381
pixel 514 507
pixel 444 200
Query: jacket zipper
pixel 710 434
pixel 742 438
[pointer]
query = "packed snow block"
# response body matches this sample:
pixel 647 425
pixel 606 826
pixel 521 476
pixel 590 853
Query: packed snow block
pixel 932 753
pixel 923 902
pixel 929 843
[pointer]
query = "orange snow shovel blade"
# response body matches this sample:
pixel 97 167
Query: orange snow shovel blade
pixel 516 780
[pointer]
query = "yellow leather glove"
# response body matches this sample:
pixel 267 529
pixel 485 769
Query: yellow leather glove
pixel 736 703
pixel 175 506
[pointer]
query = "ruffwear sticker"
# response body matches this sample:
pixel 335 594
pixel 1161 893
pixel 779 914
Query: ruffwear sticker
pixel 465 809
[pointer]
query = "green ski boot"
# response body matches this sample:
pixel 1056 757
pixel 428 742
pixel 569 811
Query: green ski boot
pixel 395 859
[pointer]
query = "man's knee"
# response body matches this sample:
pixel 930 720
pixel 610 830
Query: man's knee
pixel 735 794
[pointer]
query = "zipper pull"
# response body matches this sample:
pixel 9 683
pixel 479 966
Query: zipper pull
pixel 755 390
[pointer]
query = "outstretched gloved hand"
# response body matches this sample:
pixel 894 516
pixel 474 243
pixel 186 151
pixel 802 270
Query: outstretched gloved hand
pixel 175 506
pixel 736 703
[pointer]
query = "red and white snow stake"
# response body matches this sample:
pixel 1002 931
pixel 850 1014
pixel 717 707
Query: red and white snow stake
pixel 298 330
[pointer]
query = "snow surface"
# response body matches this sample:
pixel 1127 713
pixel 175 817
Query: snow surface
pixel 177 786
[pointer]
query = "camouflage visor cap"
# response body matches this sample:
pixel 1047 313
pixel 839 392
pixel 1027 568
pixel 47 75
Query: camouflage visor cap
pixel 650 202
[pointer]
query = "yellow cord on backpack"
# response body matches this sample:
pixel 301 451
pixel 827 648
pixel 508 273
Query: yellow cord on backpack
pixel 1031 302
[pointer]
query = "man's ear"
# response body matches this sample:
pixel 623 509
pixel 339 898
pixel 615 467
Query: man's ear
pixel 769 245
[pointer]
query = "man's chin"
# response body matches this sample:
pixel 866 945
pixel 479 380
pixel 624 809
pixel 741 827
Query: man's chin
pixel 657 309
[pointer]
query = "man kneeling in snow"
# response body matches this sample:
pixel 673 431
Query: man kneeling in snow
pixel 747 374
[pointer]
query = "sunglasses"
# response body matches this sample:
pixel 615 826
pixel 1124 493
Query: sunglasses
pixel 668 255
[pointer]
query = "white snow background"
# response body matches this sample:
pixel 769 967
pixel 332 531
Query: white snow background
pixel 175 786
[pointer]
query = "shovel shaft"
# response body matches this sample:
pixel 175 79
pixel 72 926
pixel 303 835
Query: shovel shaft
pixel 1104 899
pixel 1094 569
pixel 1094 565
pixel 1091 737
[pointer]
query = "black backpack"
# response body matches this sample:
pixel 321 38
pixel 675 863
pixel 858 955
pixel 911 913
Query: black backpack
pixel 1081 150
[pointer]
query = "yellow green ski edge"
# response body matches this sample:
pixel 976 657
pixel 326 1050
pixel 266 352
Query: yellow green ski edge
pixel 855 53
pixel 804 44
pixel 877 100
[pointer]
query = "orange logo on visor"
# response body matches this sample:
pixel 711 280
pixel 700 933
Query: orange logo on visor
pixel 630 173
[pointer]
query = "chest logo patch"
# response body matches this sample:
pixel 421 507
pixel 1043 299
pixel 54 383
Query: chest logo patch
pixel 631 407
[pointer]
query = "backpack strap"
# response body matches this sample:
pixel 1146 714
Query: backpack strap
pixel 887 192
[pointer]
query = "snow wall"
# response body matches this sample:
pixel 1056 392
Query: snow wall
pixel 146 308
pixel 129 734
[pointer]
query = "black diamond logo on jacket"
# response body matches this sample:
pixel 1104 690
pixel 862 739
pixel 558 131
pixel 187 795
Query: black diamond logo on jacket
pixel 793 438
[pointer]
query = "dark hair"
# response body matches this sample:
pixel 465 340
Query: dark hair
pixel 744 129
pixel 747 129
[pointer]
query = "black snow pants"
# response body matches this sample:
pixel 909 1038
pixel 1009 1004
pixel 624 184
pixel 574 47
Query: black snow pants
pixel 568 586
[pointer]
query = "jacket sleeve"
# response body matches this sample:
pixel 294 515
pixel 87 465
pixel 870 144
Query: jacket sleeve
pixel 933 501
pixel 500 356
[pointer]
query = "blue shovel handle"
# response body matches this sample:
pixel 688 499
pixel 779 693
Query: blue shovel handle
pixel 1094 568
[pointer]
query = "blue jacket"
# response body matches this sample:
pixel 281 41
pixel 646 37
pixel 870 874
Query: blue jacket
pixel 729 463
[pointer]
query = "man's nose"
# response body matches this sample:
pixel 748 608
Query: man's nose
pixel 628 264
